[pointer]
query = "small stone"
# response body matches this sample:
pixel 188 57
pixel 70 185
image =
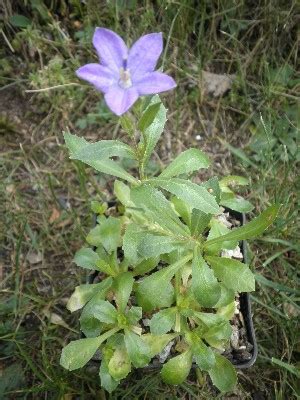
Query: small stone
pixel 164 354
pixel 234 339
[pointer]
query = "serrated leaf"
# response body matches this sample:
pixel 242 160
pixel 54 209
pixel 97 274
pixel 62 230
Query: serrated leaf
pixel 156 291
pixel 188 161
pixel 84 293
pixel 195 195
pixel 107 233
pixel 223 374
pixel 104 149
pixel 158 343
pixel 205 285
pixel 163 321
pixel 77 353
pixel 105 312
pixel 86 258
pixel 119 365
pixel 203 355
pixel 76 144
pixel 176 370
pixel 232 273
pixel 134 315
pixel 122 288
pixel 199 221
pixel 250 230
pixel 158 209
pixel 137 349
pixel 138 244
pixel 152 133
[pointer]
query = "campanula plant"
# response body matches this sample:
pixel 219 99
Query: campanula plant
pixel 168 275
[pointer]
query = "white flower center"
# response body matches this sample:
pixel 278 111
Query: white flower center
pixel 125 79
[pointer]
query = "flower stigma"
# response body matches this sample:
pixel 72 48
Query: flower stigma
pixel 125 78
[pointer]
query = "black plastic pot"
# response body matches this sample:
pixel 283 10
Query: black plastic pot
pixel 245 309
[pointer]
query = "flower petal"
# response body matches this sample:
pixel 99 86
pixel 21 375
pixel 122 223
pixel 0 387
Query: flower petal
pixel 154 82
pixel 119 100
pixel 98 75
pixel 143 55
pixel 110 48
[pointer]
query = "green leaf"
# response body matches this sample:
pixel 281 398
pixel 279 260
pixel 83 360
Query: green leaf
pixel 195 195
pixel 233 180
pixel 138 244
pixel 176 370
pixel 156 291
pixel 134 315
pixel 148 116
pixel 183 209
pixel 163 321
pixel 19 21
pixel 84 293
pixel 227 297
pixel 158 343
pixel 105 312
pixel 293 369
pixel 127 124
pixel 107 381
pixel 119 365
pixel 223 374
pixel 217 229
pixel 218 335
pixel 234 274
pixel 89 325
pixel 76 145
pixel 199 221
pixel 187 161
pixel 122 288
pixel 151 133
pixel 205 285
pixel 122 193
pixel 158 209
pixel 227 311
pixel 137 349
pixel 77 353
pixel 250 230
pixel 86 258
pixel 230 200
pixel 203 355
pixel 93 152
pixel 213 187
pixel 107 233
pixel 209 319
pixel 145 266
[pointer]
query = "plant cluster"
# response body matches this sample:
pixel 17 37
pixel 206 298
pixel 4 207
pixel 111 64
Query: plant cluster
pixel 166 277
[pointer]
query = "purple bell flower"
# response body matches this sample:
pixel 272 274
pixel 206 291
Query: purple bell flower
pixel 125 74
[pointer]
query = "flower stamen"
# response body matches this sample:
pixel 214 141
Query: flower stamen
pixel 125 78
